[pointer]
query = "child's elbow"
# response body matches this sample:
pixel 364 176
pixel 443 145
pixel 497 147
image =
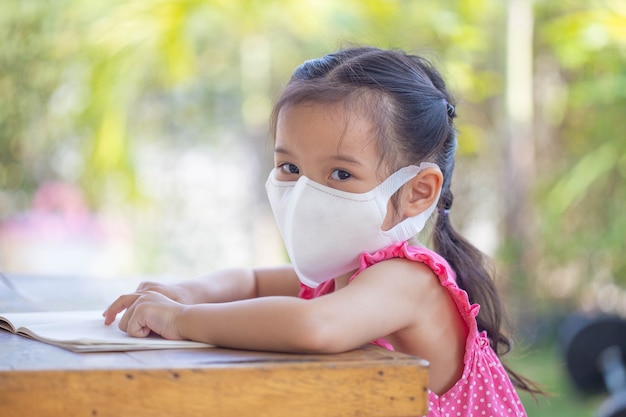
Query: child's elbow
pixel 318 336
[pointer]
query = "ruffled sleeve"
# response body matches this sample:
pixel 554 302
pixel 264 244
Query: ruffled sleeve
pixel 440 268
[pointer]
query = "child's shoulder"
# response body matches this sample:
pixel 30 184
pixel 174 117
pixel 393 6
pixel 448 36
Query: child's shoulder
pixel 408 278
pixel 408 258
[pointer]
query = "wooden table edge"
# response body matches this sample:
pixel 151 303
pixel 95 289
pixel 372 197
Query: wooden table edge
pixel 392 386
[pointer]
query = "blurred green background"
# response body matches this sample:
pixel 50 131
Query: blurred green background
pixel 134 140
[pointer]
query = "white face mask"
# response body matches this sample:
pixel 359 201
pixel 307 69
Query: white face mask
pixel 325 230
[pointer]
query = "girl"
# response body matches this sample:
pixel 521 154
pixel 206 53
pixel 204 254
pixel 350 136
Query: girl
pixel 364 154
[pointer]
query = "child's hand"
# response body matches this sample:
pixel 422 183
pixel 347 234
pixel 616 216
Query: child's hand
pixel 146 312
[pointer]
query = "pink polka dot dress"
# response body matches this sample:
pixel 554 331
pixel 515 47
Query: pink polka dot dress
pixel 484 389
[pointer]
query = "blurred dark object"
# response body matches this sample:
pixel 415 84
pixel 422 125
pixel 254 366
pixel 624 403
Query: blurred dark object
pixel 594 348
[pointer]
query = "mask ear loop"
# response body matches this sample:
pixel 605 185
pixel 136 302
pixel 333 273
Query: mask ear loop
pixel 411 226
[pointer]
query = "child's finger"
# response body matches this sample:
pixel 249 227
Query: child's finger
pixel 119 305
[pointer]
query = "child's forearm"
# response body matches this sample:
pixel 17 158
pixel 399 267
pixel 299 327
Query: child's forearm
pixel 274 324
pixel 241 284
pixel 221 286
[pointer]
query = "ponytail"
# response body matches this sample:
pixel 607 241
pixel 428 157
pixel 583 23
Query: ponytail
pixel 474 273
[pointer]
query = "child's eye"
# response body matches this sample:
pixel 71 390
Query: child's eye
pixel 287 168
pixel 340 175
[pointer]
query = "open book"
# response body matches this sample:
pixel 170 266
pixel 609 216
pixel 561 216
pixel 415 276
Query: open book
pixel 83 331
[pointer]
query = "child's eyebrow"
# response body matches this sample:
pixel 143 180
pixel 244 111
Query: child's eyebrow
pixel 279 149
pixel 347 158
pixel 339 157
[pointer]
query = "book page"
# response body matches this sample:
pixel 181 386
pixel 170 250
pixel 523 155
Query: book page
pixel 16 320
pixel 84 331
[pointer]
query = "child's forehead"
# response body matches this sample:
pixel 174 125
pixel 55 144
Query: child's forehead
pixel 347 126
pixel 337 115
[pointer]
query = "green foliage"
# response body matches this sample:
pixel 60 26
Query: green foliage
pixel 27 78
pixel 581 198
pixel 75 72
pixel 83 82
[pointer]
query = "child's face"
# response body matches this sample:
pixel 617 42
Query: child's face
pixel 328 145
pixel 331 147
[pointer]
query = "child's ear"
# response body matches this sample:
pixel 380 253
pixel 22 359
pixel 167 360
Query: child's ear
pixel 422 191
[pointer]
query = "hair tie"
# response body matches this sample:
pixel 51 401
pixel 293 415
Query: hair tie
pixel 450 109
pixel 443 211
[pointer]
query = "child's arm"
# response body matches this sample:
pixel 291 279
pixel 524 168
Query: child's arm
pixel 225 285
pixel 229 285
pixel 386 298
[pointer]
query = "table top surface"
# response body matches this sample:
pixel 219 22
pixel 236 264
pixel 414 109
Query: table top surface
pixel 41 379
pixel 26 293
pixel 23 354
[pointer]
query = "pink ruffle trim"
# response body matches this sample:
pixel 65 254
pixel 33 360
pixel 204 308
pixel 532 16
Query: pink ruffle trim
pixel 437 264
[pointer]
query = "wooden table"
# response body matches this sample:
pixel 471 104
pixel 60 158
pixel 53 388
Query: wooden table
pixel 42 380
